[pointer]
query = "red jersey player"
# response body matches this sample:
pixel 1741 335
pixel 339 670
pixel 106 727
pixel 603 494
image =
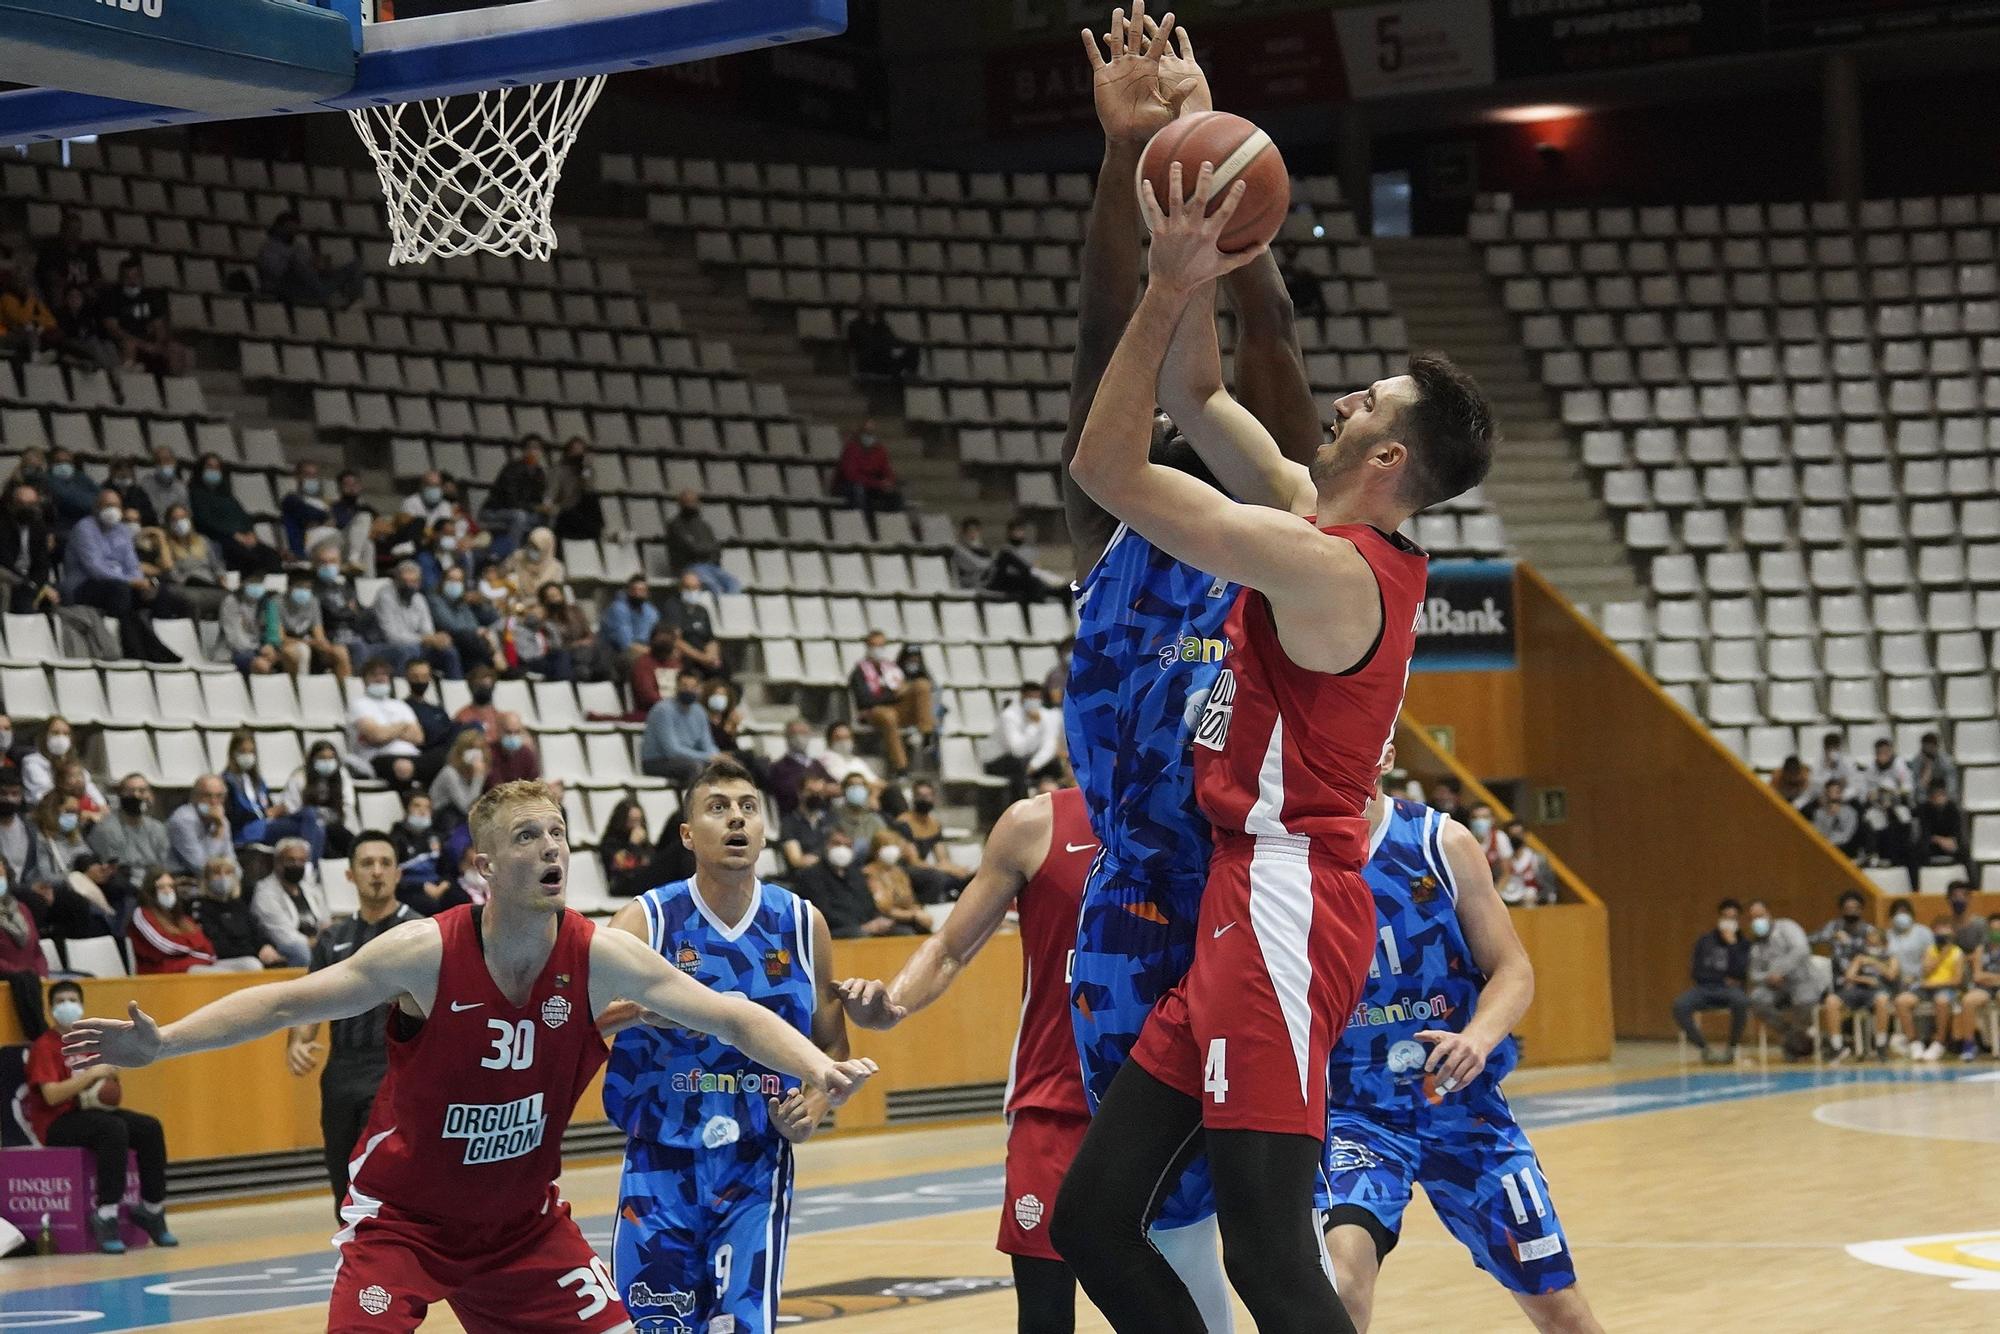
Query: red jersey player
pixel 453 1194
pixel 1035 861
pixel 1286 747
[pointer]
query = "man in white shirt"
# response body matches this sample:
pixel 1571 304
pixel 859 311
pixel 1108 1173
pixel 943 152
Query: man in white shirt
pixel 1027 741
pixel 403 615
pixel 383 732
pixel 1835 762
pixel 840 761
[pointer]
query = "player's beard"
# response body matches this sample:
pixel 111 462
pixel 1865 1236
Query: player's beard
pixel 1337 458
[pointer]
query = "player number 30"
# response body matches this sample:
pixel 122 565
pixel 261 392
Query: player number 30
pixel 593 1286
pixel 513 1045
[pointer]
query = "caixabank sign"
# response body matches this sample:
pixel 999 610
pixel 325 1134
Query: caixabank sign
pixel 1467 621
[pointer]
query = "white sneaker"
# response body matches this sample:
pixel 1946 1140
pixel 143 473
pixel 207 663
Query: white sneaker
pixel 1899 1044
pixel 1934 1052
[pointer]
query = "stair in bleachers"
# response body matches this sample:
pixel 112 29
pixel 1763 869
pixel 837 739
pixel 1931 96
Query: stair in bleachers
pixel 1538 485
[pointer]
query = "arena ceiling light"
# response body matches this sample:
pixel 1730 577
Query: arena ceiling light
pixel 1534 113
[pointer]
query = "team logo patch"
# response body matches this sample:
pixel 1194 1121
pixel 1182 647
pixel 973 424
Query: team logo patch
pixel 686 957
pixel 1424 888
pixel 555 1011
pixel 720 1131
pixel 1537 1248
pixel 679 1303
pixel 562 979
pixel 777 964
pixel 1344 1155
pixel 374 1299
pixel 1028 1211
pixel 1970 1259
pixel 1406 1057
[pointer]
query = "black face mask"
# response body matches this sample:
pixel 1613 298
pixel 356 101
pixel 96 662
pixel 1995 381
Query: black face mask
pixel 1853 915
pixel 131 805
pixel 418 689
pixel 292 875
pixel 639 601
pixel 10 809
pixel 814 803
pixel 684 696
pixel 923 805
pixel 25 513
pixel 482 695
pixel 409 594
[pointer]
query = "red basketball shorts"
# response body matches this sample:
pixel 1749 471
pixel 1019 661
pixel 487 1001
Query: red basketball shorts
pixel 1281 952
pixel 520 1274
pixel 1040 1146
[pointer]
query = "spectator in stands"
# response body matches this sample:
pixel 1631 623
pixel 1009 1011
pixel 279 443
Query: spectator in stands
pixel 403 617
pixel 461 781
pixel 438 727
pixel 340 611
pixel 1058 676
pixel 291 268
pixel 569 625
pixel 889 883
pixel 1834 762
pixel 536 565
pixel 67 260
pixel 199 830
pixel 854 814
pixel 1906 942
pixel 384 734
pixel 1793 781
pixel 228 919
pixel 82 334
pixel 1019 564
pixel 890 702
pixel 837 887
pixel 937 878
pixel 221 518
pixel 1887 802
pixel 304 510
pixel 1965 926
pixel 575 509
pixel 133 317
pixel 1308 300
pixel 38 766
pixel 518 498
pixel 122 476
pixel 480 713
pixel 357 522
pixel 694 630
pixel 22 967
pixel 628 621
pixel 514 755
pixel 790 770
pixel 249 633
pixel 101 570
pixel 1983 975
pixel 302 636
pixel 68 1109
pixel 425 509
pixel 840 761
pixel 27 329
pixel 533 637
pixel 1933 764
pixel 1941 828
pixel 72 490
pixel 1529 879
pixel 1784 984
pixel 61 913
pixel 320 785
pixel 17 839
pixel 289 904
pixel 1720 968
pixel 1938 980
pixel 1836 818
pixel 864 476
pixel 1498 848
pixel 73 780
pixel 465 618
pixel 1864 981
pixel 189 564
pixel 162 484
pixel 802 834
pixel 626 851
pixel 164 935
pixel 971 558
pixel 875 351
pixel 424 881
pixel 27 549
pixel 725 729
pixel 678 741
pixel 131 839
pixel 255 816
pixel 1026 743
pixel 692 546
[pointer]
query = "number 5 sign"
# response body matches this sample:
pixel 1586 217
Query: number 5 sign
pixel 1415 47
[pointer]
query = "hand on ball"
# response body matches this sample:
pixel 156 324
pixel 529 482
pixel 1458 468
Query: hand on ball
pixel 1185 252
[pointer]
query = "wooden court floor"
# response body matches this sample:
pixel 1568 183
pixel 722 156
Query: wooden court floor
pixel 1694 1200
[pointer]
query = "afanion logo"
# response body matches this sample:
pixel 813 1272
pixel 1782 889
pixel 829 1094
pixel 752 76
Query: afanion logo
pixel 750 1083
pixel 1970 1259
pixel 496 1131
pixel 1190 648
pixel 1401 1012
pixel 555 1011
pixel 1028 1211
pixel 374 1299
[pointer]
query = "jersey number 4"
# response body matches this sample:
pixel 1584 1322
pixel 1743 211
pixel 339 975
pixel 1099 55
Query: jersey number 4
pixel 1215 1072
pixel 513 1045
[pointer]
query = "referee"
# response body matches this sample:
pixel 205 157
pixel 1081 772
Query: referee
pixel 360 1051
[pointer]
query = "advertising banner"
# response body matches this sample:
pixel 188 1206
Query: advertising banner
pixel 1537 37
pixel 1416 47
pixel 1467 623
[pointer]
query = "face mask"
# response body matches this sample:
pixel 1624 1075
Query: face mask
pixel 310 486
pixel 378 690
pixel 326 768
pixel 795 745
pixel 300 596
pixel 856 794
pixel 1941 940
pixel 58 746
pixel 684 696
pixel 292 875
pixel 1901 921
pixel 1992 936
pixel 10 809
pixel 62 470
pixel 168 898
pixel 512 741
pixel 246 760
pixel 181 527
pixel 220 886
pixel 1850 915
pixel 67 822
pixel 1481 828
pixel 447 542
pixel 840 858
pixel 418 824
pixel 67 1011
pixel 418 689
pixel 891 854
pixel 718 703
pixel 1726 925
pixel 1760 927
pixel 637 600
pixel 328 574
pixel 1032 707
pixel 130 804
pixel 482 695
pixel 165 472
pixel 844 749
pixel 110 515
pixel 923 805
pixel 690 595
pixel 432 495
pixel 211 476
pixel 453 591
pixel 882 654
pixel 409 591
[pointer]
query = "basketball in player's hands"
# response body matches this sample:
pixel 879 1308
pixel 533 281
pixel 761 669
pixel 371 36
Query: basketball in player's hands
pixel 1240 152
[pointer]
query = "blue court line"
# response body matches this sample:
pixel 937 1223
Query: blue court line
pixel 102 1306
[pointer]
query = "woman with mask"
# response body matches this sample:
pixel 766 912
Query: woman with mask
pixel 226 917
pixel 725 725
pixel 460 782
pixel 255 816
pixel 889 882
pixel 166 938
pixel 935 877
pixel 320 785
pixel 627 851
pixel 38 774
pixel 59 836
pixel 73 780
pixel 536 563
pixel 189 562
pixel 22 967
pixel 424 881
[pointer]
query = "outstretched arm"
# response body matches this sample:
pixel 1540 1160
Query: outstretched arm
pixel 1018 843
pixel 1231 437
pixel 799 1112
pixel 1458 1057
pixel 401 963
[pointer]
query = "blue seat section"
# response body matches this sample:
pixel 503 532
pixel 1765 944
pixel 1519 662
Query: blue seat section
pixel 221 57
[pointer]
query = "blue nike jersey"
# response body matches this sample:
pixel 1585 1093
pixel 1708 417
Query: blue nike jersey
pixel 681 1089
pixel 1148 649
pixel 1423 976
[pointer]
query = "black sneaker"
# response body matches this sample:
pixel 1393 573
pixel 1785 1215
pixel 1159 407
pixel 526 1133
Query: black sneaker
pixel 106 1232
pixel 154 1221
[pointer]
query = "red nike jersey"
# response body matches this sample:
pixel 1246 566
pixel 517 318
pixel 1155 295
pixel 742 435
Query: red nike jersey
pixel 1281 750
pixel 1044 1070
pixel 469 1122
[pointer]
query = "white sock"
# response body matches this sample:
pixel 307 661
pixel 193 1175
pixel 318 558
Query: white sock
pixel 107 1211
pixel 149 1207
pixel 1196 1254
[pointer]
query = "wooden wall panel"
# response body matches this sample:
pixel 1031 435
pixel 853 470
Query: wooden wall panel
pixel 1483 709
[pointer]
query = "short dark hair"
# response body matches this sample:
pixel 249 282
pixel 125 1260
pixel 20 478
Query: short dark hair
pixel 1852 895
pixel 369 836
pixel 1832 739
pixel 1904 905
pixel 1957 885
pixel 1927 738
pixel 1885 741
pixel 1937 785
pixel 1448 430
pixel 716 772
pixel 1729 905
pixel 369 667
pixel 65 986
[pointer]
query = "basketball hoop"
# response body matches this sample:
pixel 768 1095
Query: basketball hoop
pixel 478 172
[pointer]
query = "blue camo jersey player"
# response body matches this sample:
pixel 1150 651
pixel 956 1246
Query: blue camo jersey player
pixel 1413 1087
pixel 705 1199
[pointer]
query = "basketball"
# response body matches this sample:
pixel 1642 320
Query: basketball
pixel 109 1092
pixel 1240 151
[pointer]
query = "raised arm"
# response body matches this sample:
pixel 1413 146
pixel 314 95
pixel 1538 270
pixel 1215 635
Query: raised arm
pixel 1229 437
pixel 1017 844
pixel 1458 1057
pixel 401 963
pixel 799 1112
pixel 623 966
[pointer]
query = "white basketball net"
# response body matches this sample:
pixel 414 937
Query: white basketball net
pixel 477 172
